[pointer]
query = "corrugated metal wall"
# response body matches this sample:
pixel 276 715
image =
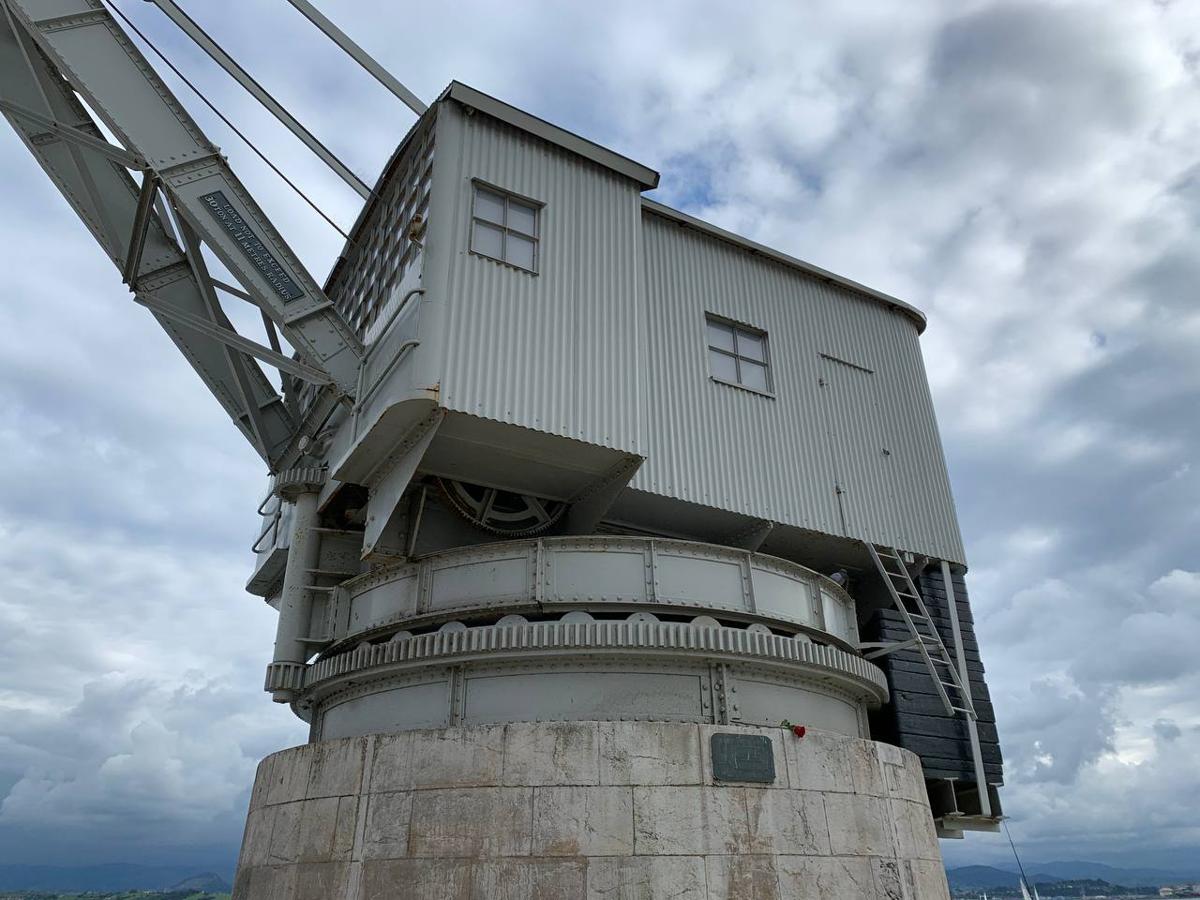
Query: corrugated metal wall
pixel 851 408
pixel 557 351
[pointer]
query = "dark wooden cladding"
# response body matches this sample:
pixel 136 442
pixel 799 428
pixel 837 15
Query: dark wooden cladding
pixel 916 719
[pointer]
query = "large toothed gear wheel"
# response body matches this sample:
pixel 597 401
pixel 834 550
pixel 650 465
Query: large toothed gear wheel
pixel 501 512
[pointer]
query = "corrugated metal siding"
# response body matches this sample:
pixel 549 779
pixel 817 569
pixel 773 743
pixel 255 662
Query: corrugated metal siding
pixel 557 351
pixel 782 458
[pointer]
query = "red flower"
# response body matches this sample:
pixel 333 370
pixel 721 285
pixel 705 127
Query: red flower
pixel 799 730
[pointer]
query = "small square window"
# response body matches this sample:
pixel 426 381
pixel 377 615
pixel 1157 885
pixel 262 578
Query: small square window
pixel 505 228
pixel 738 355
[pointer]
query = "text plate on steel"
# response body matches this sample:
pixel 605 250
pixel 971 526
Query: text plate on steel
pixel 743 757
pixel 238 229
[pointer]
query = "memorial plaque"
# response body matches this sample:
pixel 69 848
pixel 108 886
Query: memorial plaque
pixel 743 757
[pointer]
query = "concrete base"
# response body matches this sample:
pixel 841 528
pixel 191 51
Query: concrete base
pixel 595 810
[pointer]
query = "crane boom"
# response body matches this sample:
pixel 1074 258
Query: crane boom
pixel 52 49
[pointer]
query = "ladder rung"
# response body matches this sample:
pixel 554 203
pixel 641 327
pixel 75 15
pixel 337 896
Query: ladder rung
pixel 913 615
pixel 950 684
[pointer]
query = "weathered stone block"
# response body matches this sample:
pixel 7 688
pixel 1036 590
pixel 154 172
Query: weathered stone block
pixel 668 821
pixel 798 824
pixel 582 821
pixel 289 775
pixel 263 776
pixel 858 825
pixel 916 837
pixel 736 820
pixel 819 762
pixel 742 878
pixel 308 831
pixel 457 757
pixel 391 762
pixel 416 879
pixel 905 779
pixel 649 753
pixel 336 768
pixel 318 881
pixel 256 841
pixel 472 822
pixel 891 880
pixel 285 836
pixel 551 753
pixel 345 827
pixel 928 879
pixel 866 773
pixel 386 833
pixel 825 878
pixel 265 883
pixel 529 879
pixel 646 878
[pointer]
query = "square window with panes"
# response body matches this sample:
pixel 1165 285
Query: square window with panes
pixel 505 228
pixel 738 355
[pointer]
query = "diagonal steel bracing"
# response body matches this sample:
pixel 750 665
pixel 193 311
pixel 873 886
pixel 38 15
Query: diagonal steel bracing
pixel 121 216
pixel 52 49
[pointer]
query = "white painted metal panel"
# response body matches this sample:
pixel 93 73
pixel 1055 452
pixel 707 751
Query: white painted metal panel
pixel 661 696
pixel 767 703
pixel 557 351
pixel 773 456
pixel 384 603
pixel 399 709
pixel 787 598
pixel 588 575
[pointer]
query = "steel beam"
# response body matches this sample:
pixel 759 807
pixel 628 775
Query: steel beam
pixel 91 176
pixel 233 339
pixel 141 224
pixel 360 56
pixel 75 135
pixel 189 27
pixel 99 60
pixel 985 802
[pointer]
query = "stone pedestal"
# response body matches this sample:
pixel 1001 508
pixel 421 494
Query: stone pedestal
pixel 596 810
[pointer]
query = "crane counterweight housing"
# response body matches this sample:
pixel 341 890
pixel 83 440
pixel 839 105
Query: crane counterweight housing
pixel 574 499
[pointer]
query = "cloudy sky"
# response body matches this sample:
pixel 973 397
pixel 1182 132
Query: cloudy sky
pixel 1025 173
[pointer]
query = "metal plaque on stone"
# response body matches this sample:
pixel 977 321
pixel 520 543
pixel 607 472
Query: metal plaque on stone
pixel 743 757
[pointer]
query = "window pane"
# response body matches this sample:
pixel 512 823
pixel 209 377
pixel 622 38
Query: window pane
pixel 519 251
pixel 722 366
pixel 488 240
pixel 720 335
pixel 754 375
pixel 522 218
pixel 752 345
pixel 489 206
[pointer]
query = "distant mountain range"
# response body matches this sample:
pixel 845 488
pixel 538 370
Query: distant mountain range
pixel 110 877
pixel 984 877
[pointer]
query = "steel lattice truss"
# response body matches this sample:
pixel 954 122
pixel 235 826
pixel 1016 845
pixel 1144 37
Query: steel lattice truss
pixel 153 201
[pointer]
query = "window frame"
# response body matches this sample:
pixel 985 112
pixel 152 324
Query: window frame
pixel 504 228
pixel 737 356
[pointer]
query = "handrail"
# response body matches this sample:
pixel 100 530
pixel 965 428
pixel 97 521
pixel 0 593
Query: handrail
pixel 399 309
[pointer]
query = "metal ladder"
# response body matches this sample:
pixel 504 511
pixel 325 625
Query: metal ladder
pixel 946 679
